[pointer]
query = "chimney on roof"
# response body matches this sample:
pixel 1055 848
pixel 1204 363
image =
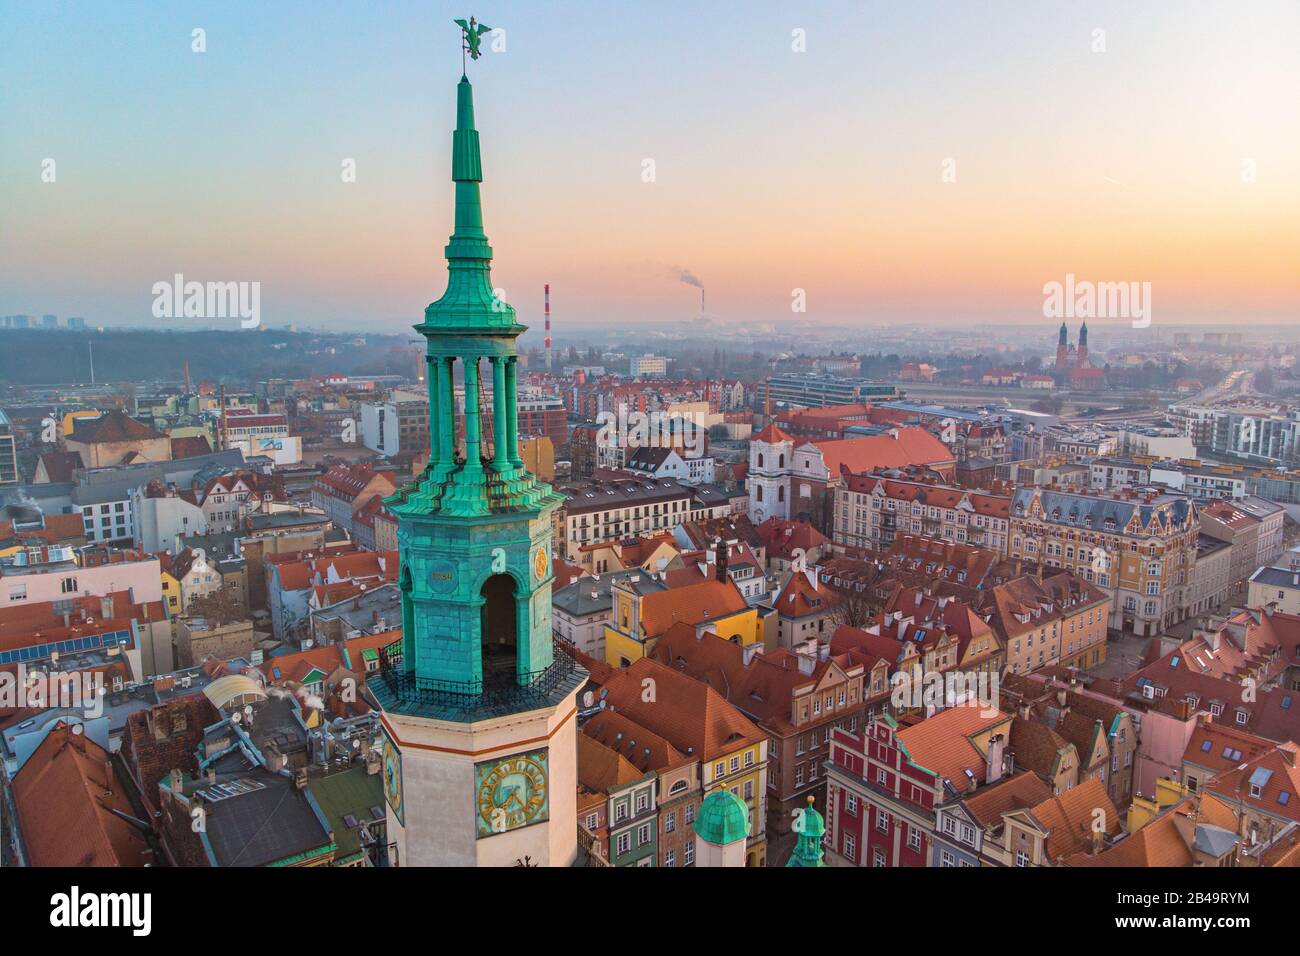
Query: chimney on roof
pixel 106 607
pixel 275 760
pixel 720 560
pixel 997 749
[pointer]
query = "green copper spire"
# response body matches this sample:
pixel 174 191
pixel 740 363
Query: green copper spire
pixel 470 325
pixel 474 529
pixel 810 828
pixel 469 304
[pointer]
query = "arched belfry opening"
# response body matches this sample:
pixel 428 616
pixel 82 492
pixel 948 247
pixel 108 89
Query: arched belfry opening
pixel 499 629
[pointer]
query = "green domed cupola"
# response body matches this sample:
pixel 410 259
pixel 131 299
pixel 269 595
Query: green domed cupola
pixel 723 819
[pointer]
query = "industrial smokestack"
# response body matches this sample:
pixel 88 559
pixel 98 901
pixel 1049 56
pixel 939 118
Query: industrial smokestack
pixel 546 291
pixel 688 277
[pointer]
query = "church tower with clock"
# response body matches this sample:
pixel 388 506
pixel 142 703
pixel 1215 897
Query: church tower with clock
pixel 478 701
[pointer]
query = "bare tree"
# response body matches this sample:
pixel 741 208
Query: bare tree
pixel 854 608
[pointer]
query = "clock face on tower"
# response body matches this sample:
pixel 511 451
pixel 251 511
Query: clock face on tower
pixel 393 779
pixel 511 793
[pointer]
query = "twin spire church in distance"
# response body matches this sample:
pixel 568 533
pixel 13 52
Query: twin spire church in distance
pixel 478 701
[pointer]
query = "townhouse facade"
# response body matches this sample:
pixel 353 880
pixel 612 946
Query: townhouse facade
pixel 1138 548
pixel 872 511
pixel 884 786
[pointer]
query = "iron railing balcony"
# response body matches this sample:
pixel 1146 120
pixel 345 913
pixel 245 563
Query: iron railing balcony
pixel 402 691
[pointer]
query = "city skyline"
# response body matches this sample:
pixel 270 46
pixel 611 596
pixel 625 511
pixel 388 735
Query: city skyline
pixel 753 588
pixel 763 186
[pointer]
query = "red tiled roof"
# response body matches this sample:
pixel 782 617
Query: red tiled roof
pixel 59 465
pixel 1229 746
pixel 348 481
pixel 294 667
pixel 190 446
pixel 348 566
pixel 771 435
pixel 940 496
pixel 113 426
pixel 781 538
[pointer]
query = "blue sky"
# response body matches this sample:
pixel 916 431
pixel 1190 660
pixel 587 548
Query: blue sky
pixel 775 170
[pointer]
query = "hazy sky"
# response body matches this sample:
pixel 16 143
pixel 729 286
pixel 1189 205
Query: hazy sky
pixel 775 170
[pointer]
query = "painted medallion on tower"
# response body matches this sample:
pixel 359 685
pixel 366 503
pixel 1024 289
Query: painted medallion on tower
pixel 393 779
pixel 511 793
pixel 540 563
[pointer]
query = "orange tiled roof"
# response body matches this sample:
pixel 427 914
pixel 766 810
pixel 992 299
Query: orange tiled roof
pixel 911 446
pixel 771 435
pixel 294 667
pixel 642 747
pixel 942 745
pixel 1273 773
pixel 804 595
pixel 1068 818
pixel 1160 843
pixel 689 714
pixel 1022 790
pixel 692 604
pixel 71 806
pixel 601 769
